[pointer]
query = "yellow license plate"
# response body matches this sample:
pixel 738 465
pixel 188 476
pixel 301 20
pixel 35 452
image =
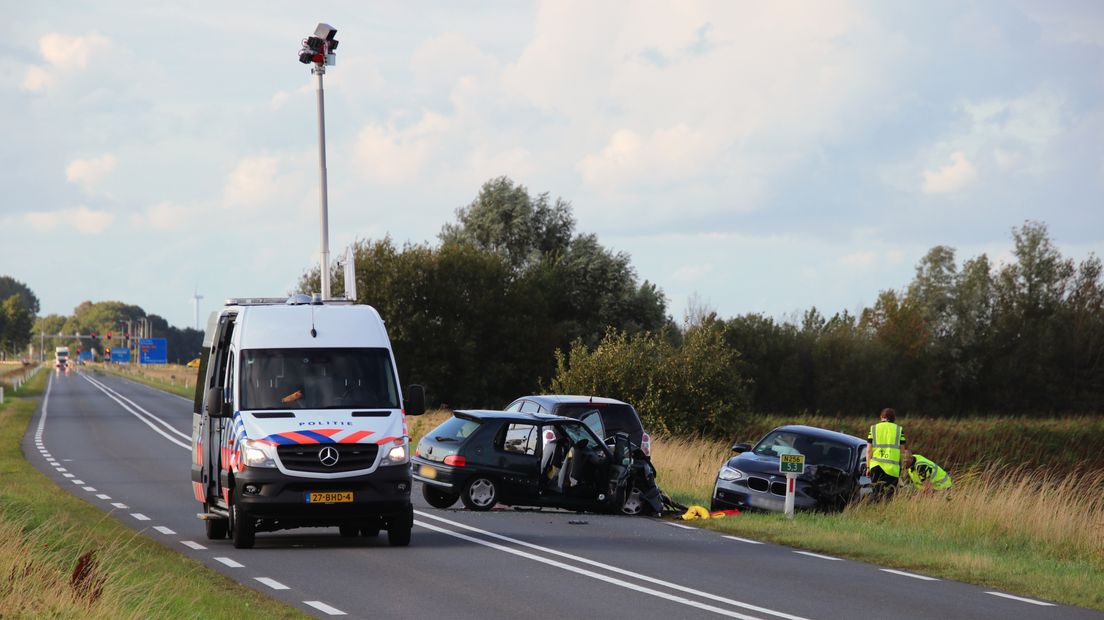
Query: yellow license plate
pixel 427 472
pixel 329 497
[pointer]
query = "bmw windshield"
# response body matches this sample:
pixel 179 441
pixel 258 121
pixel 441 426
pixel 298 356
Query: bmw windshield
pixel 817 451
pixel 318 379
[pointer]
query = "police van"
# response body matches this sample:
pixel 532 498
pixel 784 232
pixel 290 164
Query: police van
pixel 299 422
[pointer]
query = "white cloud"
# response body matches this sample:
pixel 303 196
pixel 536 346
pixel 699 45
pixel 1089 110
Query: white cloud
pixel 164 216
pixel 390 155
pixel 81 219
pixel 63 54
pixel 252 183
pixel 951 177
pixel 1005 159
pixel 670 154
pixel 89 172
pixel 863 259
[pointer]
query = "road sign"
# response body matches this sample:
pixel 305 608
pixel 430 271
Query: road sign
pixel 119 355
pixel 791 463
pixel 85 356
pixel 153 351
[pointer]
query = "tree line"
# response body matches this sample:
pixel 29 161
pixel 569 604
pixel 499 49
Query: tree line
pixel 514 300
pixel 110 317
pixel 18 307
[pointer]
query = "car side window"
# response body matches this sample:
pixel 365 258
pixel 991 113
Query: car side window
pixel 515 406
pixel 529 407
pixel 593 421
pixel 520 439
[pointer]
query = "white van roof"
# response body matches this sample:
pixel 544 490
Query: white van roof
pixel 288 327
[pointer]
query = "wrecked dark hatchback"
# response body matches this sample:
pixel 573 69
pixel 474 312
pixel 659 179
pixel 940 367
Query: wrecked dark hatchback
pixel 835 471
pixel 484 458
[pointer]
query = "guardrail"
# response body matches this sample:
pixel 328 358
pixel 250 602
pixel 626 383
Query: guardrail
pixel 17 379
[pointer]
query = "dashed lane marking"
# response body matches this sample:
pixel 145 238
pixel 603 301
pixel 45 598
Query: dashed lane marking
pixel 120 506
pixel 191 544
pixel 1022 599
pixel 104 496
pixel 272 583
pixel 69 475
pixel 61 469
pixel 904 574
pixel 682 527
pixel 743 540
pixel 164 530
pixel 229 562
pixel 817 555
pixel 77 482
pixel 139 516
pixel 89 489
pixel 324 608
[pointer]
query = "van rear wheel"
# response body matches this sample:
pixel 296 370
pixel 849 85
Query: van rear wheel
pixel 217 529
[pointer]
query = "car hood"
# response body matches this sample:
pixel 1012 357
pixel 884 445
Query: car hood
pixel 751 463
pixel 319 426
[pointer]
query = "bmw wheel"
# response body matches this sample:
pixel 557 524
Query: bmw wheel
pixel 480 493
pixel 437 498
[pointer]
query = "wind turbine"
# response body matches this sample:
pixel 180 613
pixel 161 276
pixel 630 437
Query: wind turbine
pixel 195 302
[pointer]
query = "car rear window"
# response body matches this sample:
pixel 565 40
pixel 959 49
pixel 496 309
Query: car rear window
pixel 614 417
pixel 456 429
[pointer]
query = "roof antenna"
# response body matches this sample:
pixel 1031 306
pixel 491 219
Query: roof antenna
pixel 313 332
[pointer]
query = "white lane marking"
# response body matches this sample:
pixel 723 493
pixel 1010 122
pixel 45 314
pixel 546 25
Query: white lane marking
pixel 103 496
pixel 1022 599
pixel 585 572
pixel 904 574
pixel 272 583
pixel 120 506
pixel 191 544
pixel 139 516
pixel 324 608
pixel 77 481
pixel 817 555
pixel 61 469
pixel 681 526
pixel 170 427
pixel 164 530
pixel 69 475
pixel 229 562
pixel 743 540
pixel 120 399
pixel 89 489
pixel 613 569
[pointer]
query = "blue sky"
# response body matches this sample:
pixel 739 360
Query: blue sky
pixel 759 157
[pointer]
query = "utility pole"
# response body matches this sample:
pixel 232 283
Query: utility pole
pixel 318 51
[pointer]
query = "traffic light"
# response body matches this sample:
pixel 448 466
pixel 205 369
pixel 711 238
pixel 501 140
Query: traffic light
pixel 109 335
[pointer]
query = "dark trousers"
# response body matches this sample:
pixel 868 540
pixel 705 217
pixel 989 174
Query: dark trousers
pixel 883 484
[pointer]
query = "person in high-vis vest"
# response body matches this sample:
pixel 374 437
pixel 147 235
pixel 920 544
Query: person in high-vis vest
pixel 926 475
pixel 884 447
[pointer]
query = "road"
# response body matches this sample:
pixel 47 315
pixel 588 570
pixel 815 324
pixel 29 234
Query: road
pixel 124 447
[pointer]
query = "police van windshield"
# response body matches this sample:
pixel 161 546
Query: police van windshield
pixel 317 379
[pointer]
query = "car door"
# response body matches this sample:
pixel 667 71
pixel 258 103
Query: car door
pixel 517 460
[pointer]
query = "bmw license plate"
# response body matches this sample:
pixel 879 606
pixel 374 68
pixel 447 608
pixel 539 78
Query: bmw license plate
pixel 329 497
pixel 427 472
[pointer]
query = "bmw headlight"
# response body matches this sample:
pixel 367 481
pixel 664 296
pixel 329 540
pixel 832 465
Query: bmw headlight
pixel 396 453
pixel 728 473
pixel 258 453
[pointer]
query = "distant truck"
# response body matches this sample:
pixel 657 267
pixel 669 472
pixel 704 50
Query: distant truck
pixel 61 357
pixel 299 422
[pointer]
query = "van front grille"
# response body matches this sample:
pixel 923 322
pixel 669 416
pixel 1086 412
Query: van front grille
pixel 350 457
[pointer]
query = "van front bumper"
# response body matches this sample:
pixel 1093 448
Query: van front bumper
pixel 265 493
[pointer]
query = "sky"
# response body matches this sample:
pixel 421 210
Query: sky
pixel 749 156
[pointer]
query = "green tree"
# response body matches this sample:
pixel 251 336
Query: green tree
pixel 15 331
pixel 10 286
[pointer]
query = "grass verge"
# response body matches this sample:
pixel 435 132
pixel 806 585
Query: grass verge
pixel 1033 531
pixel 45 533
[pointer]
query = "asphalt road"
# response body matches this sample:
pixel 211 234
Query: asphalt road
pixel 124 447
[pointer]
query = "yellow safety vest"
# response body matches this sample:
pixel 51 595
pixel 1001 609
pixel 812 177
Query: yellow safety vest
pixel 885 438
pixel 940 479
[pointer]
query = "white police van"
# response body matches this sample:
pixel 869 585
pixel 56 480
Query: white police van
pixel 299 422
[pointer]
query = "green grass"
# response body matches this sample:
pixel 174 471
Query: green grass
pixel 153 381
pixel 43 532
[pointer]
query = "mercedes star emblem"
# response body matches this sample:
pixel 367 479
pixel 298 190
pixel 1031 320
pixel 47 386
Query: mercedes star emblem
pixel 328 456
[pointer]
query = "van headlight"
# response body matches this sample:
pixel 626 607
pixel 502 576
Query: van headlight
pixel 729 473
pixel 396 454
pixel 258 453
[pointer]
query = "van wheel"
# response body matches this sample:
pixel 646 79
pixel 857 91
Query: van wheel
pixel 217 529
pixel 399 526
pixel 437 498
pixel 480 493
pixel 242 528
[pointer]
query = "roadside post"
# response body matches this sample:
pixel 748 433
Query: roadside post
pixel 791 465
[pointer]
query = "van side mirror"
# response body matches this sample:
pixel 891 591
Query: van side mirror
pixel 215 404
pixel 414 400
pixel 741 447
